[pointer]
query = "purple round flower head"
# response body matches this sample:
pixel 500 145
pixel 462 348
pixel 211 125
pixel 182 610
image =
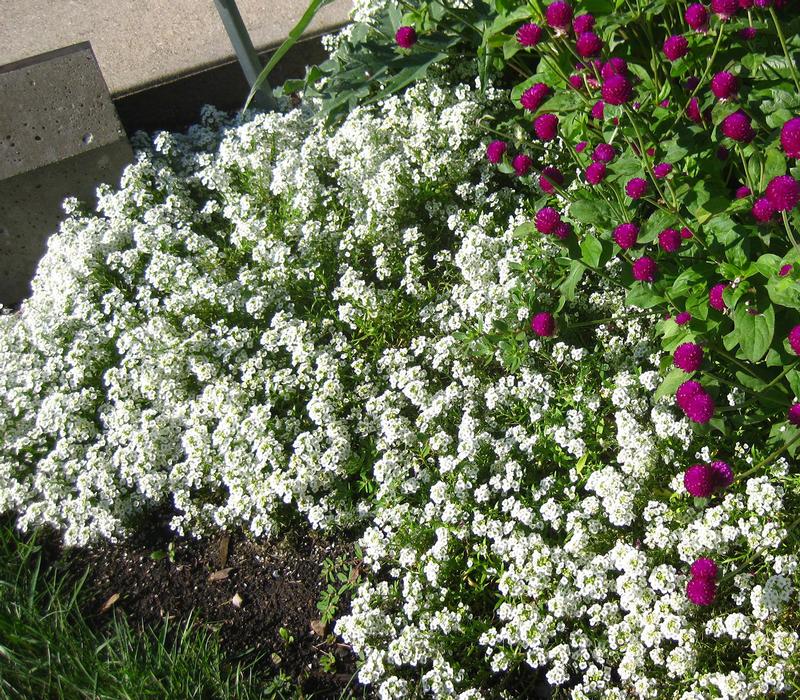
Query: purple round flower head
pixel 595 173
pixel 583 23
pixel 597 110
pixel 664 104
pixel 691 83
pixel 794 339
pixel 790 137
pixel 745 4
pixel 785 270
pixel 686 391
pixel 547 219
pixel 546 126
pixel 783 192
pixel 562 230
pixel 724 9
pixel 588 44
pixel 534 96
pixel 700 408
pixel 696 17
pixel 701 590
pixel 406 37
pixel 699 481
pixel 748 33
pixel 636 187
pixel 762 209
pixel 625 235
pixel 761 3
pixel 675 47
pixel 614 66
pixel 543 324
pixel 724 85
pixel 715 299
pixel 548 177
pixel 742 192
pixel 683 318
pixel 644 269
pixel 495 151
pixel 736 126
pixel 669 240
pixel 686 234
pixel 794 414
pixel 529 34
pixel 576 81
pixel 693 111
pixel 662 170
pixel 580 146
pixel 603 152
pixel 522 164
pixel 617 90
pixel 722 473
pixel 688 357
pixel 704 568
pixel 722 153
pixel 559 16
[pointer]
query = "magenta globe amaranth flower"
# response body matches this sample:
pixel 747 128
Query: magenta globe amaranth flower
pixel 581 146
pixel 562 230
pixel 543 324
pixel 790 137
pixel 546 219
pixel 724 85
pixel 495 151
pixel 715 299
pixel 686 391
pixel 534 96
pixel 683 318
pixel 616 90
pixel 700 408
pixel 785 269
pixel 614 66
pixel 588 44
pixel 737 126
pixel 696 17
pixel 794 414
pixel 669 240
pixel 597 110
pixel 662 170
pixel 636 188
pixel 742 192
pixel 644 269
pixel 704 568
pixel 583 23
pixel 559 16
pixel 625 235
pixel 724 9
pixel 783 192
pixel 762 209
pixel 604 152
pixel 675 47
pixel 794 339
pixel 529 35
pixel 686 234
pixel 723 474
pixel 688 357
pixel 748 33
pixel 596 172
pixel 693 111
pixel 522 164
pixel 701 590
pixel 698 480
pixel 546 126
pixel 549 177
pixel 406 37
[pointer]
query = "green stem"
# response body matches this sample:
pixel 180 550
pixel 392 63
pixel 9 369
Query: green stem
pixel 786 371
pixel 788 228
pixel 769 459
pixel 782 39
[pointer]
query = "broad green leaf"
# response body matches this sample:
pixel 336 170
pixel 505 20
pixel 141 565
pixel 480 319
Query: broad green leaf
pixel 586 211
pixel 671 383
pixel 591 250
pixel 755 331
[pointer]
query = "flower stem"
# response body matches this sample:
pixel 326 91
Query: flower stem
pixel 782 39
pixel 767 460
pixel 788 228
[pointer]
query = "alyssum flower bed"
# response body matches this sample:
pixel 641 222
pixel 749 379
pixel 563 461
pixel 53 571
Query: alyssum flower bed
pixel 537 339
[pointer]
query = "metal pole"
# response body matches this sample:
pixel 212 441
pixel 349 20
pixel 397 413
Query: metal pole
pixel 245 52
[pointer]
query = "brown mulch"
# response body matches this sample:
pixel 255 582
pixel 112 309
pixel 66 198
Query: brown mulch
pixel 249 590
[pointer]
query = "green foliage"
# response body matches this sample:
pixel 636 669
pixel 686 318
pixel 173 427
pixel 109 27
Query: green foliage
pixel 339 578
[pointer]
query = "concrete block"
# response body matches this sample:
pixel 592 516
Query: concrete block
pixel 59 136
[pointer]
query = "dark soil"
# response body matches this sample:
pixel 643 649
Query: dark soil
pixel 276 584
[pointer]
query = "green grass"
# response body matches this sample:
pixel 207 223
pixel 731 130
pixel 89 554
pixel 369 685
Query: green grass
pixel 49 650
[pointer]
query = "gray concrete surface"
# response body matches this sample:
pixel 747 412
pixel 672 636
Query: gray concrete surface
pixel 59 136
pixel 139 43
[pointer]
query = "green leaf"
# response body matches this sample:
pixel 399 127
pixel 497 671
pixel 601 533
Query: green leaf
pixel 567 287
pixel 643 296
pixel 755 331
pixel 775 165
pixel 591 250
pixel 585 211
pixel 671 383
pixel 793 377
pixel 784 291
